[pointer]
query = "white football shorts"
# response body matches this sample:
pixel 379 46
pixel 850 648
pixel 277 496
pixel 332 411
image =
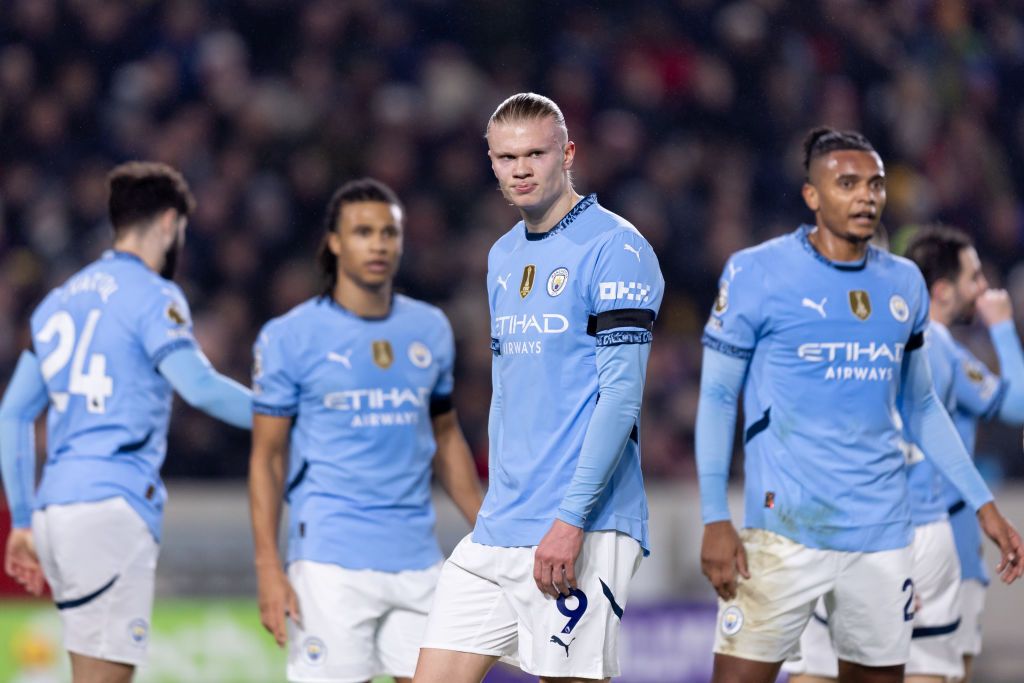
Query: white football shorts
pixel 488 603
pixel 100 561
pixel 869 597
pixel 972 604
pixel 935 639
pixel 357 623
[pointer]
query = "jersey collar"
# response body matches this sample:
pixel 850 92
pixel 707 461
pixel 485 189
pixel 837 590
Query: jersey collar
pixel 333 304
pixel 802 234
pixel 123 255
pixel 581 206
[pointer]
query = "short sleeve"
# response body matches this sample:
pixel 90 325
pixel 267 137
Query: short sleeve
pixel 737 316
pixel 274 388
pixel 445 361
pixel 977 389
pixel 625 291
pixel 921 308
pixel 166 325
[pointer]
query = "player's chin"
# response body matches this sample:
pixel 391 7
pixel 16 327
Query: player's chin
pixel 861 229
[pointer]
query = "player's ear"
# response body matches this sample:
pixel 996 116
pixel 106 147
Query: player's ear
pixel 568 155
pixel 334 242
pixel 810 195
pixel 167 223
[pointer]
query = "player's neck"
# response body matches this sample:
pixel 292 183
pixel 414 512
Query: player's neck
pixel 365 302
pixel 938 313
pixel 834 247
pixel 142 246
pixel 548 218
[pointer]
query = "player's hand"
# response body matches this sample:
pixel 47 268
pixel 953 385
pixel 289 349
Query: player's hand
pixel 21 562
pixel 554 562
pixel 278 603
pixel 722 556
pixel 1002 533
pixel 994 306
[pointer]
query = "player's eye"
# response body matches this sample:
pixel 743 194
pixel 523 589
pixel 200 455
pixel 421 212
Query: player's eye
pixel 536 154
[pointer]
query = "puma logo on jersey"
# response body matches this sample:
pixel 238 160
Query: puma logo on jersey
pixel 558 641
pixel 503 281
pixel 733 270
pixel 820 308
pixel 345 359
pixel 633 250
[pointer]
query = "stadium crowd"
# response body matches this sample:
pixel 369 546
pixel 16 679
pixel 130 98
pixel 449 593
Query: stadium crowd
pixel 688 114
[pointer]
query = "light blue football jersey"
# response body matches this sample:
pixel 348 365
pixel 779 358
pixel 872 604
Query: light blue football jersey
pixel 362 392
pixel 554 298
pixel 99 338
pixel 970 391
pixel 826 342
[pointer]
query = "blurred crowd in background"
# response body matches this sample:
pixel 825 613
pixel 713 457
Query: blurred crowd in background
pixel 687 116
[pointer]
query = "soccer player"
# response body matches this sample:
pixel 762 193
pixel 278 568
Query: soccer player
pixel 823 332
pixel 353 389
pixel 109 345
pixel 946 633
pixel 573 291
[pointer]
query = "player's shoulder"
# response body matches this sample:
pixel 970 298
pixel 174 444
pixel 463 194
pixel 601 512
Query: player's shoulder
pixel 508 241
pixel 895 266
pixel 421 314
pixel 295 319
pixel 760 258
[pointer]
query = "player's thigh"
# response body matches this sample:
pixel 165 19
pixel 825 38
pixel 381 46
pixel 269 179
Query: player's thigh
pixel 470 612
pixel 574 636
pixel 935 641
pixel 872 608
pixel 451 666
pixel 100 560
pixel 340 612
pixel 763 623
pixel 972 605
pixel 817 660
pixel 86 669
pixel 729 669
pixel 401 630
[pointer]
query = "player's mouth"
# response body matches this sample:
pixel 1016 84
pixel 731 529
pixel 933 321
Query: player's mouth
pixel 378 267
pixel 864 218
pixel 524 188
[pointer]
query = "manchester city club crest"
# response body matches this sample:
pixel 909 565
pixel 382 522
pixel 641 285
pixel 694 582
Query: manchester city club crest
pixel 860 304
pixel 557 281
pixel 383 356
pixel 899 309
pixel 138 631
pixel 526 285
pixel 419 355
pixel 732 621
pixel 314 651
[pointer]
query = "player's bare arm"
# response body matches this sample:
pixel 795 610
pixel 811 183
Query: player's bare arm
pixel 722 558
pixel 453 466
pixel 266 484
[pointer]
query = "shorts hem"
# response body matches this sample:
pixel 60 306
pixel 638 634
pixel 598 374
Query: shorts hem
pixel 572 674
pixel 463 648
pixel 866 661
pixel 328 679
pixel 752 657
pixel 107 657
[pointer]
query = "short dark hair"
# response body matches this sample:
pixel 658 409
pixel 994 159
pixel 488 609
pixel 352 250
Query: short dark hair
pixel 936 251
pixel 527 106
pixel 142 190
pixel 823 140
pixel 361 190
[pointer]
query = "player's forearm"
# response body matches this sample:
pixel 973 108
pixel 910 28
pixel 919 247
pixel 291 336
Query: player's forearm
pixel 204 388
pixel 1011 370
pixel 24 399
pixel 932 429
pixel 721 381
pixel 266 486
pixel 454 467
pixel 621 370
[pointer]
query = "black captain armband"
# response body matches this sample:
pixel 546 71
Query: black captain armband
pixel 642 318
pixel 439 405
pixel 915 342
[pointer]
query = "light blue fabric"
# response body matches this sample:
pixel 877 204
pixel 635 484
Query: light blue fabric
pixel 620 376
pixel 361 393
pixel 929 424
pixel 24 399
pixel 721 379
pixel 1011 370
pixel 592 270
pixel 202 387
pixel 825 343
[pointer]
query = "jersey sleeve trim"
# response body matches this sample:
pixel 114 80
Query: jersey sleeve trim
pixel 621 317
pixel 169 348
pixel 275 411
pixel 620 337
pixel 728 349
pixel 439 405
